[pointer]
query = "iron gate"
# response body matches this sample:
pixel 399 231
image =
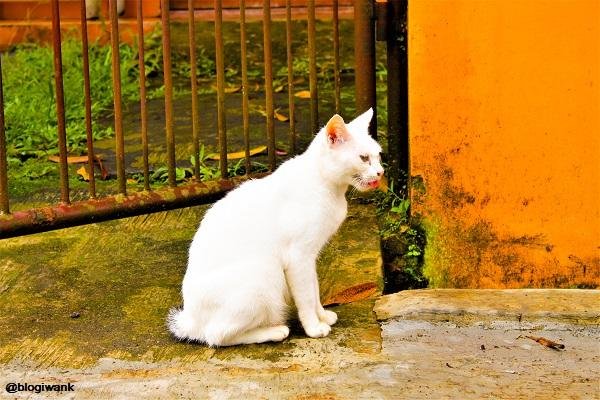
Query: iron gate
pixel 125 203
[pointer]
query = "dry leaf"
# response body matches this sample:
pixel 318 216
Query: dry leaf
pixel 83 159
pixel 354 293
pixel 383 184
pixel 233 89
pixel 303 94
pixel 238 154
pixel 281 117
pixel 74 159
pixel 279 89
pixel 547 342
pixel 229 89
pixel 83 173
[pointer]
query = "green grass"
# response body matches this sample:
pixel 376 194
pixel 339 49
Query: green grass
pixel 30 105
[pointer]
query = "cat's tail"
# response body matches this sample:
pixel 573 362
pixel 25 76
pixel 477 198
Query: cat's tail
pixel 180 324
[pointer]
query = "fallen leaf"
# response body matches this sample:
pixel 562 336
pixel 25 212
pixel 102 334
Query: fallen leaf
pixel 354 293
pixel 238 154
pixel 280 152
pixel 281 117
pixel 83 173
pixel 233 89
pixel 74 159
pixel 299 80
pixel 261 110
pixel 383 184
pixel 279 89
pixel 547 342
pixel 303 94
pixel 84 159
pixel 229 89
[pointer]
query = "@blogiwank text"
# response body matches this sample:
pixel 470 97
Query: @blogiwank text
pixel 15 387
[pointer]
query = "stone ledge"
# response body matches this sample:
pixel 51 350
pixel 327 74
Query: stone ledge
pixel 574 306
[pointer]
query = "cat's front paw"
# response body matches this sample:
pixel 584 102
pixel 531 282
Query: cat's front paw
pixel 318 330
pixel 329 317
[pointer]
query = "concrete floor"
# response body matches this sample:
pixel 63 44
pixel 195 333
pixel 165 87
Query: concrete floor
pixel 86 306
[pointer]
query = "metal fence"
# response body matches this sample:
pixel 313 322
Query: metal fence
pixel 124 203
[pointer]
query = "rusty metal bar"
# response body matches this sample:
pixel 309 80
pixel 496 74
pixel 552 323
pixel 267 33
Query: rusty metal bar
pixel 290 74
pixel 312 59
pixel 336 55
pixel 4 206
pixel 364 59
pixel 193 79
pixel 87 99
pixel 111 207
pixel 220 64
pixel 168 80
pixel 245 106
pixel 116 77
pixel 143 97
pixel 268 55
pixel 60 104
pixel 397 92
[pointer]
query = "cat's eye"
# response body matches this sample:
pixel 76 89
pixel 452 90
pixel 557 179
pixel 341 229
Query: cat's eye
pixel 364 158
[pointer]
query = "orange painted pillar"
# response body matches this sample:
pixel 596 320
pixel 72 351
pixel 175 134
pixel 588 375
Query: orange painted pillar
pixel 504 122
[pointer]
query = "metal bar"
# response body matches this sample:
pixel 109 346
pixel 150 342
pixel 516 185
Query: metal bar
pixel 87 99
pixel 4 206
pixel 220 64
pixel 193 79
pixel 143 97
pixel 60 104
pixel 312 59
pixel 268 55
pixel 112 207
pixel 245 106
pixel 397 92
pixel 168 79
pixel 290 74
pixel 336 55
pixel 116 77
pixel 364 59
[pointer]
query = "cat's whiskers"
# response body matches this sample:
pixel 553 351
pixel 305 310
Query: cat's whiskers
pixel 358 181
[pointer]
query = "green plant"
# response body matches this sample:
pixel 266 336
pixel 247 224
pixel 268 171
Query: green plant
pixel 403 241
pixel 394 209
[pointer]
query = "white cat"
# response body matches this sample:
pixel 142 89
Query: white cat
pixel 259 244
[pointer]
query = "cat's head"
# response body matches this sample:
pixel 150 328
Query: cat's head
pixel 353 154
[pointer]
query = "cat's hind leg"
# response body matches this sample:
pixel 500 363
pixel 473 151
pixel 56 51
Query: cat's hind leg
pixel 258 335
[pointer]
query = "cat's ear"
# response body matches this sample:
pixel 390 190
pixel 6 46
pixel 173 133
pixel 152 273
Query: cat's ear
pixel 362 122
pixel 336 131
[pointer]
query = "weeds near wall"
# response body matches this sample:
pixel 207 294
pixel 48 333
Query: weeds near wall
pixel 402 241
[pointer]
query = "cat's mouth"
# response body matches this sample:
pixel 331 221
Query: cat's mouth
pixel 374 184
pixel 363 184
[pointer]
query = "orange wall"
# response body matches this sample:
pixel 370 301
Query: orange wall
pixel 505 132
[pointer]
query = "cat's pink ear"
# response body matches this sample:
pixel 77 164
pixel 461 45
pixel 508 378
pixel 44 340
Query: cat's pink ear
pixel 336 130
